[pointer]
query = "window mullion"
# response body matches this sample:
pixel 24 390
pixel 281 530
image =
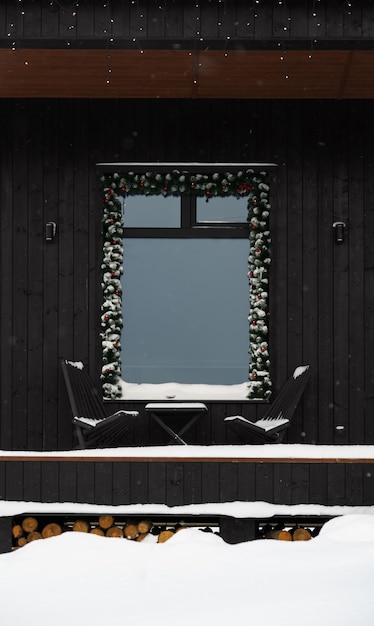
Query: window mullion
pixel 188 211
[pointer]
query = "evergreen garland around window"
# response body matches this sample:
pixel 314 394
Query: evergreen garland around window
pixel 248 183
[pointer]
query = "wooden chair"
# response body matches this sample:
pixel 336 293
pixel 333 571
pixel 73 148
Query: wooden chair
pixel 272 427
pixel 93 427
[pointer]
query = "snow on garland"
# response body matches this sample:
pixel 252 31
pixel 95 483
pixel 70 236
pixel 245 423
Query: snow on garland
pixel 111 310
pixel 176 183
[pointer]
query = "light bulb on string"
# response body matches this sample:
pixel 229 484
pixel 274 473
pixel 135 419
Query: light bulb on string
pixel 141 16
pixel 135 40
pixel 284 62
pixel 310 55
pixel 225 53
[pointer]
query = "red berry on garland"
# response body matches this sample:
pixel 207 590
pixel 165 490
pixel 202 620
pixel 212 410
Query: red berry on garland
pixel 254 377
pixel 193 185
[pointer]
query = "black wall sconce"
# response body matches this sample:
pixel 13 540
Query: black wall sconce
pixel 339 230
pixel 50 231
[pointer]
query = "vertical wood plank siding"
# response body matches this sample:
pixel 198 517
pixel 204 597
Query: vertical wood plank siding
pixel 321 299
pixel 178 483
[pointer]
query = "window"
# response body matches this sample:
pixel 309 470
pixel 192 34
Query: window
pixel 223 210
pixel 151 211
pixel 186 299
pixel 195 280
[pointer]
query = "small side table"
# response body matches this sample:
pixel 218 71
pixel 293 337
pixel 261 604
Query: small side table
pixel 159 411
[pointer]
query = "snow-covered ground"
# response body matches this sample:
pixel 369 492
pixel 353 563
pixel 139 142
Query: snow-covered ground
pixel 194 579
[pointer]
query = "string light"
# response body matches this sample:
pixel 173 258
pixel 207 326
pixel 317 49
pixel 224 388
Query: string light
pixel 310 55
pixel 197 19
pixel 286 15
pixel 109 30
pixel 284 63
pixel 314 12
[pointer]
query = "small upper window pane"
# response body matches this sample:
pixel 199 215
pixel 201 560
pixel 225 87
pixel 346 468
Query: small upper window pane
pixel 222 209
pixel 151 211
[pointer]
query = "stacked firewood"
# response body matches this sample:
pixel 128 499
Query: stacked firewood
pixel 131 530
pixel 291 534
pixel 29 529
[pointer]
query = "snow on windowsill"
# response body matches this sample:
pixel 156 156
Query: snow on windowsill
pixel 179 391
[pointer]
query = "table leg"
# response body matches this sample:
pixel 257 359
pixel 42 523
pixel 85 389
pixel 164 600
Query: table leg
pixel 174 435
pixel 189 424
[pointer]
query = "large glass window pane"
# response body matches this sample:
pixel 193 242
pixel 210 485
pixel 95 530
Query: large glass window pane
pixel 185 311
pixel 225 209
pixel 151 211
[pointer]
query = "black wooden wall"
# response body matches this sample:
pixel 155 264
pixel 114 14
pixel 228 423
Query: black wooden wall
pixel 322 294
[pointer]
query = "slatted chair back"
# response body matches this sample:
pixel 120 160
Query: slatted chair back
pixel 289 396
pixel 93 427
pixel 84 398
pixel 273 425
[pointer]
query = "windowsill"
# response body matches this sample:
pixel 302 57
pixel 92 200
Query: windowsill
pixel 178 391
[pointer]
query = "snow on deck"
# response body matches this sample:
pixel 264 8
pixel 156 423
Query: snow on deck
pixel 274 452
